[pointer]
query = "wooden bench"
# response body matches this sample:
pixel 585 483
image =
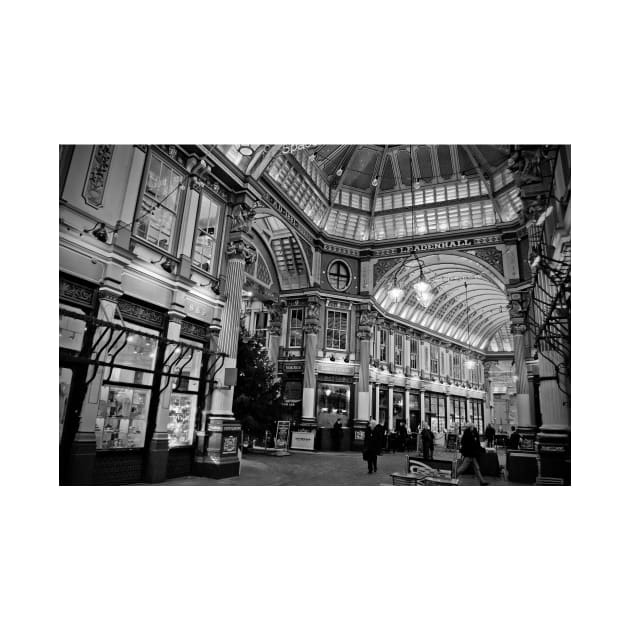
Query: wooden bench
pixel 406 479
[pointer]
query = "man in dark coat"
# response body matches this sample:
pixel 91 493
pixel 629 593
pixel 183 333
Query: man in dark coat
pixel 471 450
pixel 372 445
pixel 402 436
pixel 490 433
pixel 427 437
pixel 337 432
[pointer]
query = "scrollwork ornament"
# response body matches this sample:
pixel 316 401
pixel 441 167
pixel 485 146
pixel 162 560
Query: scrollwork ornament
pixel 242 217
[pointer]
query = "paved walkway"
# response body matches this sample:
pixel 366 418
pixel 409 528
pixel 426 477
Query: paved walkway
pixel 303 468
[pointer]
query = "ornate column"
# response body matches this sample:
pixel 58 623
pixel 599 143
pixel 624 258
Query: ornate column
pixel 276 311
pixel 377 406
pixel 390 407
pixel 311 330
pixel 553 440
pixel 157 457
pixel 407 414
pixel 524 405
pixel 364 334
pixel 220 456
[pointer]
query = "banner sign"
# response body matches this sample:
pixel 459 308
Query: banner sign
pixel 282 434
pixel 304 440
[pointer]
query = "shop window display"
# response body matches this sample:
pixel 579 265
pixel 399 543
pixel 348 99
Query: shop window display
pixel 122 417
pixel 183 403
pixel 123 406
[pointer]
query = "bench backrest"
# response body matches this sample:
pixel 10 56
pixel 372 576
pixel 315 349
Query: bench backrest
pixel 416 465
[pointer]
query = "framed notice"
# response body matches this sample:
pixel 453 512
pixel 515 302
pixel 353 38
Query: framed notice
pixel 304 440
pixel 451 441
pixel 282 434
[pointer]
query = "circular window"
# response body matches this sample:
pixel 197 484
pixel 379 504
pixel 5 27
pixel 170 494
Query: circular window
pixel 339 275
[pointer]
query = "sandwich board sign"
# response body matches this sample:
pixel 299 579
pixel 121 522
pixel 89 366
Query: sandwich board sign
pixel 282 434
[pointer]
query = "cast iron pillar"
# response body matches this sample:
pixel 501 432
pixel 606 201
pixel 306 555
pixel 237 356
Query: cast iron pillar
pixel 219 457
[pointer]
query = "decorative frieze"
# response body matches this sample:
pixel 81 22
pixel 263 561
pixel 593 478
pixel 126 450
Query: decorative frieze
pixel 70 291
pixel 194 330
pixel 490 255
pixel 94 187
pixel 140 314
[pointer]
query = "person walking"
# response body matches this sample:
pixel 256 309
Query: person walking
pixel 337 433
pixel 372 446
pixel 490 433
pixel 402 433
pixel 471 450
pixel 428 440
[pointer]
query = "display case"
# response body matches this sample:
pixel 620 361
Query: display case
pixel 121 421
pixel 181 419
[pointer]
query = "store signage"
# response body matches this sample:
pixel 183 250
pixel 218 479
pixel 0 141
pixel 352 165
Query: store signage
pixel 427 247
pixel 282 434
pixel 304 440
pixel 293 367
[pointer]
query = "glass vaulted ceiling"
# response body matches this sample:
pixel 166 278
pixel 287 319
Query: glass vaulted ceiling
pixel 376 192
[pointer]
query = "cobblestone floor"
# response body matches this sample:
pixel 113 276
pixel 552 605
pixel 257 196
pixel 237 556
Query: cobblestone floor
pixel 324 469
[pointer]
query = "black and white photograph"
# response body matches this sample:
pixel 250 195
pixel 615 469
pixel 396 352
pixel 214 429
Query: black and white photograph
pixel 302 255
pixel 315 314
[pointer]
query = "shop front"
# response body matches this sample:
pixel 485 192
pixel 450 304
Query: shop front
pixel 136 370
pixel 334 402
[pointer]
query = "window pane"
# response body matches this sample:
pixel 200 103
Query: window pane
pixel 122 417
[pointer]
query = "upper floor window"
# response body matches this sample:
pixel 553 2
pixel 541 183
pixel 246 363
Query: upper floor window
pixel 434 360
pixel 206 232
pixel 339 275
pixel 457 367
pixel 296 323
pixel 336 330
pixel 382 345
pixel 398 349
pixel 413 354
pixel 156 219
pixel 261 319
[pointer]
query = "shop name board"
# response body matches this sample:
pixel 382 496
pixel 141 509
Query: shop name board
pixel 293 367
pixel 452 244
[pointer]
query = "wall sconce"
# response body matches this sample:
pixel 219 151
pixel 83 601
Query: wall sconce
pixel 347 359
pixel 167 264
pixel 99 231
pixel 332 357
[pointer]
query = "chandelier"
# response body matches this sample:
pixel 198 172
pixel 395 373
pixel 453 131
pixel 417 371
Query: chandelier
pixel 423 290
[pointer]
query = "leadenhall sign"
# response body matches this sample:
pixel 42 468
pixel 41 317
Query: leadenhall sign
pixel 427 247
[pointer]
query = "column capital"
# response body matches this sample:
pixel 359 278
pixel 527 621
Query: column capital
pixel 276 311
pixel 241 249
pixel 311 328
pixel 367 319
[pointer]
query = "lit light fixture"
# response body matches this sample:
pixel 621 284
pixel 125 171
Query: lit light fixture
pixel 375 182
pixel 245 150
pixel 423 290
pixel 469 362
pixel 312 157
pixel 339 172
